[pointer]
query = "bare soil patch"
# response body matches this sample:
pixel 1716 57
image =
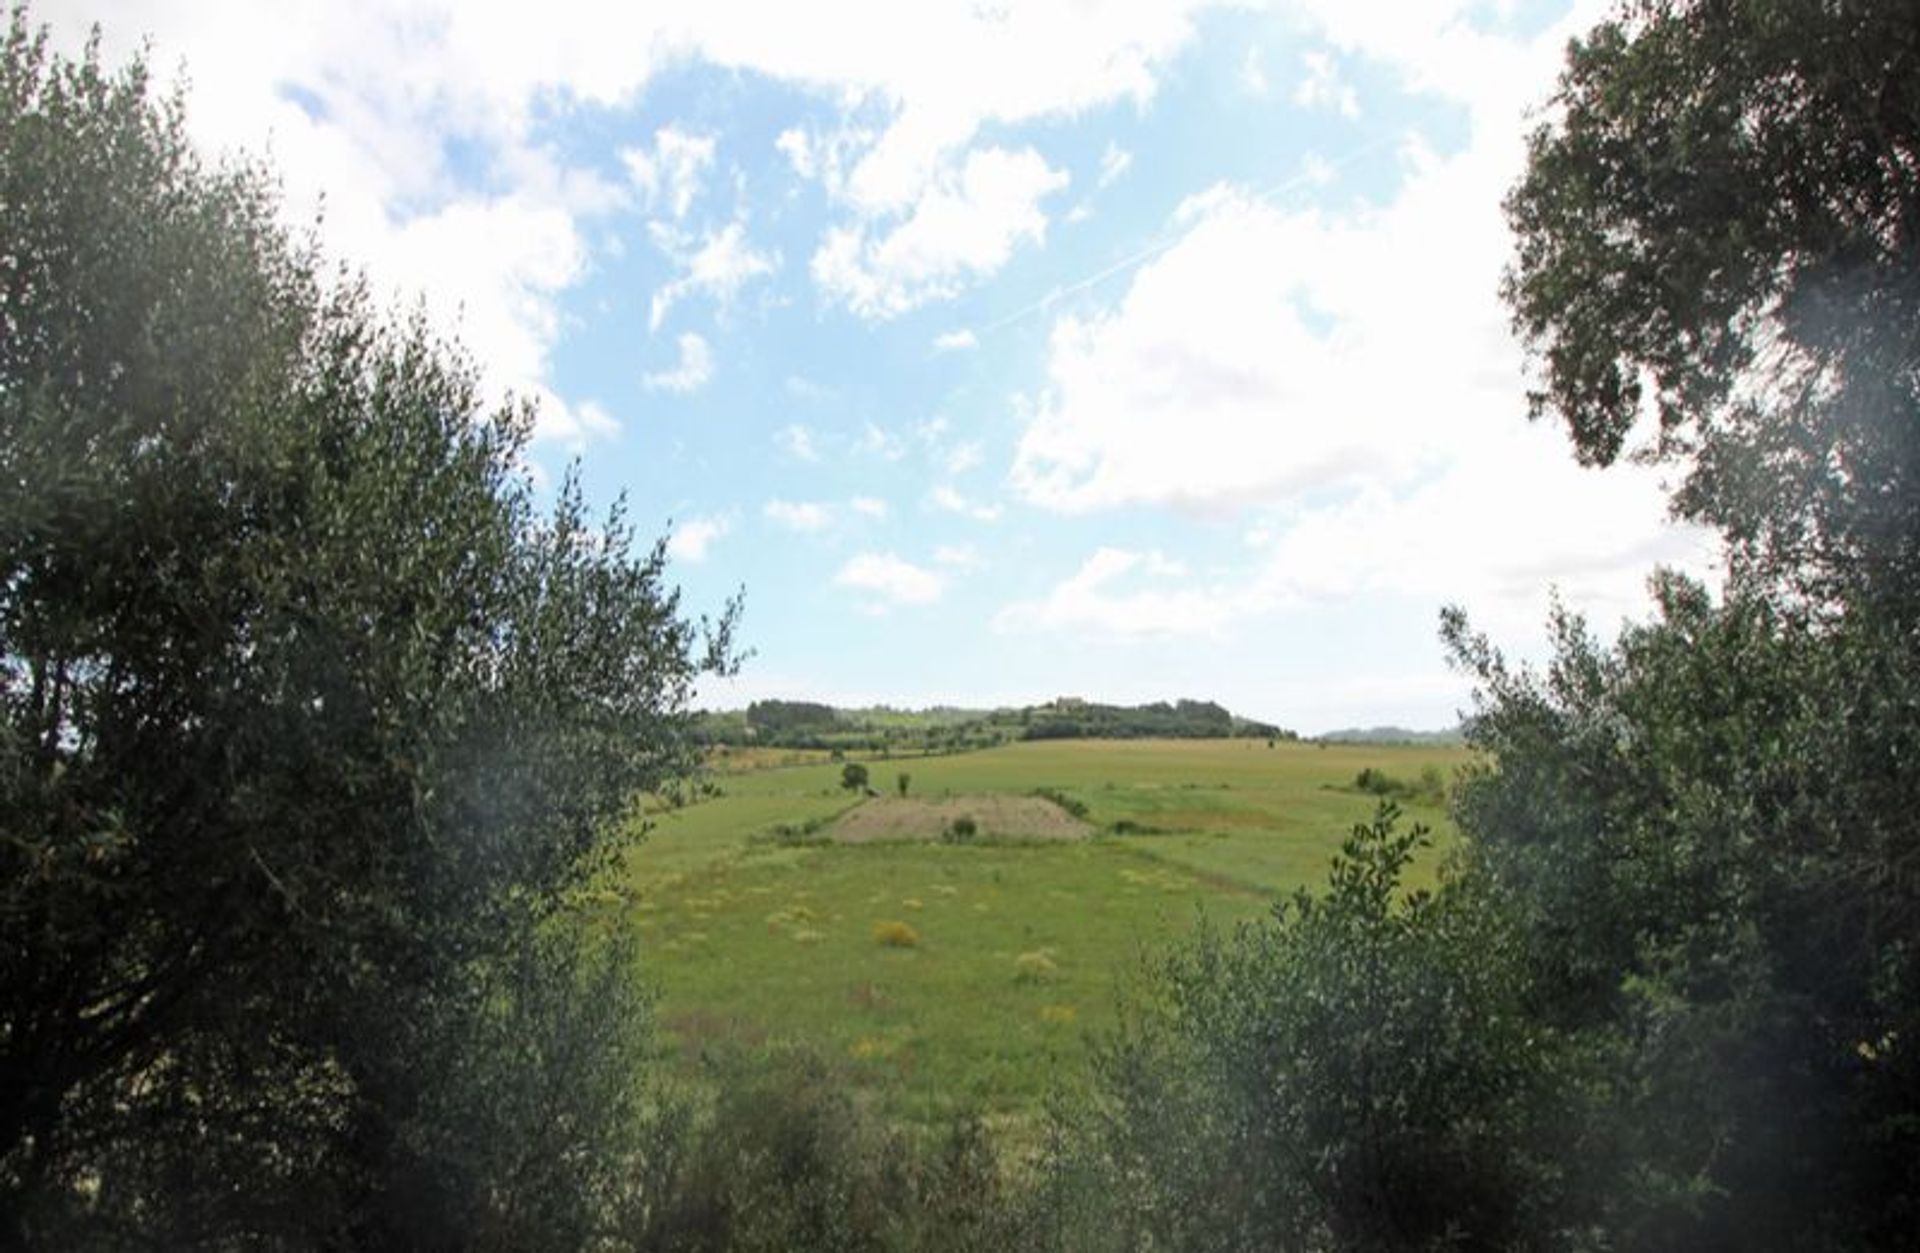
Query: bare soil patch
pixel 995 817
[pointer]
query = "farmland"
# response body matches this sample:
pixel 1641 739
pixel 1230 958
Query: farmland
pixel 971 973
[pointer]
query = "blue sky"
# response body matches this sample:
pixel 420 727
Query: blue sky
pixel 999 351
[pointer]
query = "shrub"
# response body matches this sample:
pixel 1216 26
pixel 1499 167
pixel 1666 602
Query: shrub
pixel 961 830
pixel 1078 808
pixel 1356 1072
pixel 786 1158
pixel 895 934
pixel 1035 967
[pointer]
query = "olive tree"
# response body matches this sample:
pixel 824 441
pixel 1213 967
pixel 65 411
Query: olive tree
pixel 310 717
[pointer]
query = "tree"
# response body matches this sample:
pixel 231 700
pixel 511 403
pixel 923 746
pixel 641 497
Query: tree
pixel 853 777
pixel 1719 255
pixel 1697 828
pixel 310 719
pixel 1355 1071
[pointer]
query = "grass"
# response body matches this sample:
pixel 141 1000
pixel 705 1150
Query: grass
pixel 971 974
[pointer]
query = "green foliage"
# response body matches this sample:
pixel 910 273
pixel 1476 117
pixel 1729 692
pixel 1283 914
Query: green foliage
pixel 1703 831
pixel 1430 787
pixel 1355 1072
pixel 785 1159
pixel 1075 807
pixel 853 777
pixel 308 724
pixel 1700 837
pixel 961 830
pixel 902 780
pixel 776 721
pixel 1716 230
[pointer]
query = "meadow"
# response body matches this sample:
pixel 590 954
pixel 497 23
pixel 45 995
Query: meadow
pixel 949 975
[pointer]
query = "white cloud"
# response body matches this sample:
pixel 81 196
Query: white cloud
pixel 368 102
pixel 964 226
pixel 797 439
pixel 962 457
pixel 693 371
pixel 1114 162
pixel 793 144
pixel 691 539
pixel 955 341
pixel 1086 602
pixel 958 556
pixel 670 175
pixel 803 516
pixel 945 497
pixel 893 580
pixel 576 426
pixel 875 440
pixel 718 267
pixel 1321 87
pixel 1253 73
pixel 1349 378
pixel 869 506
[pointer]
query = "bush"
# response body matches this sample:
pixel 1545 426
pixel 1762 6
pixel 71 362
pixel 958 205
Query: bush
pixel 1355 1072
pixel 895 934
pixel 1075 807
pixel 961 830
pixel 1430 788
pixel 785 1158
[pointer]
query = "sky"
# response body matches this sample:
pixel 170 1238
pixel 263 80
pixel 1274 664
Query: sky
pixel 999 351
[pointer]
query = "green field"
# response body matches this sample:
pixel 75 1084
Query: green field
pixel 755 941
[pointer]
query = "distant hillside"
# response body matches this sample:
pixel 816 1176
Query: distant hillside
pixel 1391 735
pixel 808 724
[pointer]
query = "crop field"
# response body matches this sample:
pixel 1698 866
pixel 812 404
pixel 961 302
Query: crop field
pixel 949 972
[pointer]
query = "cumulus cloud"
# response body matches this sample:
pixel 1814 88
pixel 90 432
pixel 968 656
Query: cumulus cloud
pixel 669 174
pixel 893 580
pixel 797 439
pixel 804 516
pixel 875 440
pixel 1253 73
pixel 1321 87
pixel 964 226
pixel 947 498
pixel 718 266
pixel 576 425
pixel 692 539
pixel 1088 601
pixel 695 368
pixel 962 457
pixel 367 104
pixel 1348 379
pixel 955 341
pixel 958 556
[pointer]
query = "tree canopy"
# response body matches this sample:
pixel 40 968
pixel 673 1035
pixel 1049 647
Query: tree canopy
pixel 1668 993
pixel 309 715
pixel 1718 265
